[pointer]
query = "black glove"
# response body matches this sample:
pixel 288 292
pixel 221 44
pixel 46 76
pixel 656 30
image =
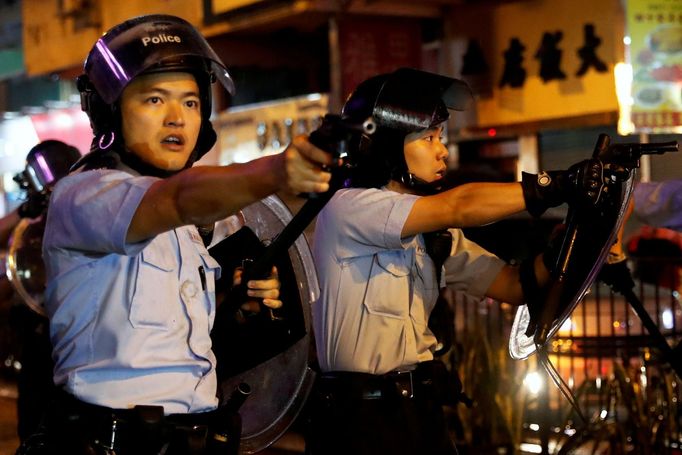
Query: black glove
pixel 34 206
pixel 581 183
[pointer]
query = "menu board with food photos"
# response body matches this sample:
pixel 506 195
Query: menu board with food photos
pixel 655 30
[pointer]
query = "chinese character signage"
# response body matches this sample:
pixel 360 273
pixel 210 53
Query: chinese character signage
pixel 655 30
pixel 536 61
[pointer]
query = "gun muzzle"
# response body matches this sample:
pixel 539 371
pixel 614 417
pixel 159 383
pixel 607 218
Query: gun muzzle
pixel 658 148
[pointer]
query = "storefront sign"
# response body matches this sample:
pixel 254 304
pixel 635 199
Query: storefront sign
pixel 533 61
pixel 655 31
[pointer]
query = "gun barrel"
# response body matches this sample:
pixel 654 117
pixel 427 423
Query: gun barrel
pixel 659 147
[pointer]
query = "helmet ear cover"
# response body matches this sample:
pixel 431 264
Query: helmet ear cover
pixel 376 162
pixel 103 118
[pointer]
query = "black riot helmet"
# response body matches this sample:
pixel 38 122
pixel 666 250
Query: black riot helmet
pixel 146 44
pixel 402 102
pixel 46 163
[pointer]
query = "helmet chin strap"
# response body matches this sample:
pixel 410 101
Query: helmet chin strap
pixel 421 187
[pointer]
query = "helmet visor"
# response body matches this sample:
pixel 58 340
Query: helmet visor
pixel 147 43
pixel 410 99
pixel 49 161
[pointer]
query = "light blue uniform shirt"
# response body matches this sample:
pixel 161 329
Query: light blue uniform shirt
pixel 129 323
pixel 377 290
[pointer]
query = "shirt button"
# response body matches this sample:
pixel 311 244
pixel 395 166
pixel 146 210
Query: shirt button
pixel 188 289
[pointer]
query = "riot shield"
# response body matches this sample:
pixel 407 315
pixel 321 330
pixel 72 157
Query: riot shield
pixel 270 355
pixel 590 233
pixel 589 236
pixel 24 263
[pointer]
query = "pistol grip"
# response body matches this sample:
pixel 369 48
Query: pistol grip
pixel 248 274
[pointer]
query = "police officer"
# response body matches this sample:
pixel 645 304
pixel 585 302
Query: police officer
pixel 381 260
pixel 130 292
pixel 46 163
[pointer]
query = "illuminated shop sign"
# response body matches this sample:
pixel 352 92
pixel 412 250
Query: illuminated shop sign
pixel 655 32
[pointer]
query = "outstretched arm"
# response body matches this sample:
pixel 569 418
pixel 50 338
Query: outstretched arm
pixel 476 204
pixel 205 194
pixel 472 204
pixel 506 287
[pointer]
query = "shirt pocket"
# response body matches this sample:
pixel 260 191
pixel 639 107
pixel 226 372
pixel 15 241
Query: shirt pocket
pixel 155 289
pixel 388 290
pixel 212 271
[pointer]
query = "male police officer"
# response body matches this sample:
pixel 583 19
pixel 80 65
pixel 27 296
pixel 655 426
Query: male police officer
pixel 130 291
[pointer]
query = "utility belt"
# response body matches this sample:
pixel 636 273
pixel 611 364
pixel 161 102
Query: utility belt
pixel 142 429
pixel 429 381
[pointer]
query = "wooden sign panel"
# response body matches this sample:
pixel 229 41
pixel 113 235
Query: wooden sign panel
pixel 58 34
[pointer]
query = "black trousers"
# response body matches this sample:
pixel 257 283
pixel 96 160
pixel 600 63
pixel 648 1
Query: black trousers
pixel 74 427
pixel 355 413
pixel 34 383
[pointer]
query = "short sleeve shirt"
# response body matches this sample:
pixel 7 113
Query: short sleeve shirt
pixel 129 323
pixel 377 289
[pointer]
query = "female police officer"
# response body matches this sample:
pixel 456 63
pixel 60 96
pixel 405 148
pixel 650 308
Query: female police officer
pixel 380 390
